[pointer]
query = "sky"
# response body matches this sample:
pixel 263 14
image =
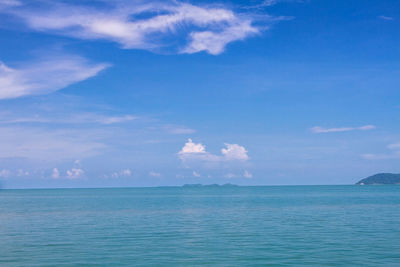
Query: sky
pixel 163 93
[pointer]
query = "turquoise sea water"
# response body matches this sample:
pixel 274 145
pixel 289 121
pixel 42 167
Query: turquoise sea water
pixel 172 226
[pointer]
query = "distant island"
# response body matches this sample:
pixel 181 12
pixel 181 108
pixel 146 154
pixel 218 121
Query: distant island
pixel 209 185
pixel 381 178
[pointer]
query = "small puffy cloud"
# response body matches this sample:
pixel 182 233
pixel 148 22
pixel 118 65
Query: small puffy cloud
pixel 114 175
pixel 21 172
pixel 154 174
pixel 318 129
pixel 247 174
pixel 55 174
pixel 230 175
pixel 74 173
pixel 126 172
pixel 234 152
pixel 117 174
pixel 192 148
pixel 45 76
pixel 198 151
pixel 4 173
pixel 192 152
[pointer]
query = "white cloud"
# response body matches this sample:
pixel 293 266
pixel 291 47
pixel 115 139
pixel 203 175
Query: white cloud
pixel 230 175
pixel 77 118
pixel 196 174
pixel 143 25
pixel 116 119
pixel 178 130
pixel 154 174
pixel 386 17
pixel 4 173
pixel 247 174
pixel 318 129
pixel 21 172
pixel 55 174
pixel 380 156
pixel 104 119
pixel 126 172
pixel 393 154
pixel 196 152
pixel 45 76
pixel 9 3
pixel 214 42
pixel 122 173
pixel 192 148
pixel 262 5
pixel 394 146
pixel 75 173
pixel 234 152
pixel 49 145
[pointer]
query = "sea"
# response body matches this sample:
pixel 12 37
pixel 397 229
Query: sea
pixel 344 225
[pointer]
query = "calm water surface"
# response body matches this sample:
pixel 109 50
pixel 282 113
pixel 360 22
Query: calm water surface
pixel 239 226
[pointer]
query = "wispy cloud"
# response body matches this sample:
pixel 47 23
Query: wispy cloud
pixel 7 4
pixel 45 76
pixel 147 25
pixel 386 17
pixel 246 174
pixel 381 156
pixel 214 42
pixel 394 146
pixel 393 154
pixel 178 129
pixel 154 174
pixel 262 5
pixel 78 118
pixel 49 145
pixel 318 129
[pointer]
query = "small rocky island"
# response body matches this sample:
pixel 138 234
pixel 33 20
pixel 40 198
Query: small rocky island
pixel 381 178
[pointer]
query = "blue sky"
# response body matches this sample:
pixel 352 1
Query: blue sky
pixel 148 93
